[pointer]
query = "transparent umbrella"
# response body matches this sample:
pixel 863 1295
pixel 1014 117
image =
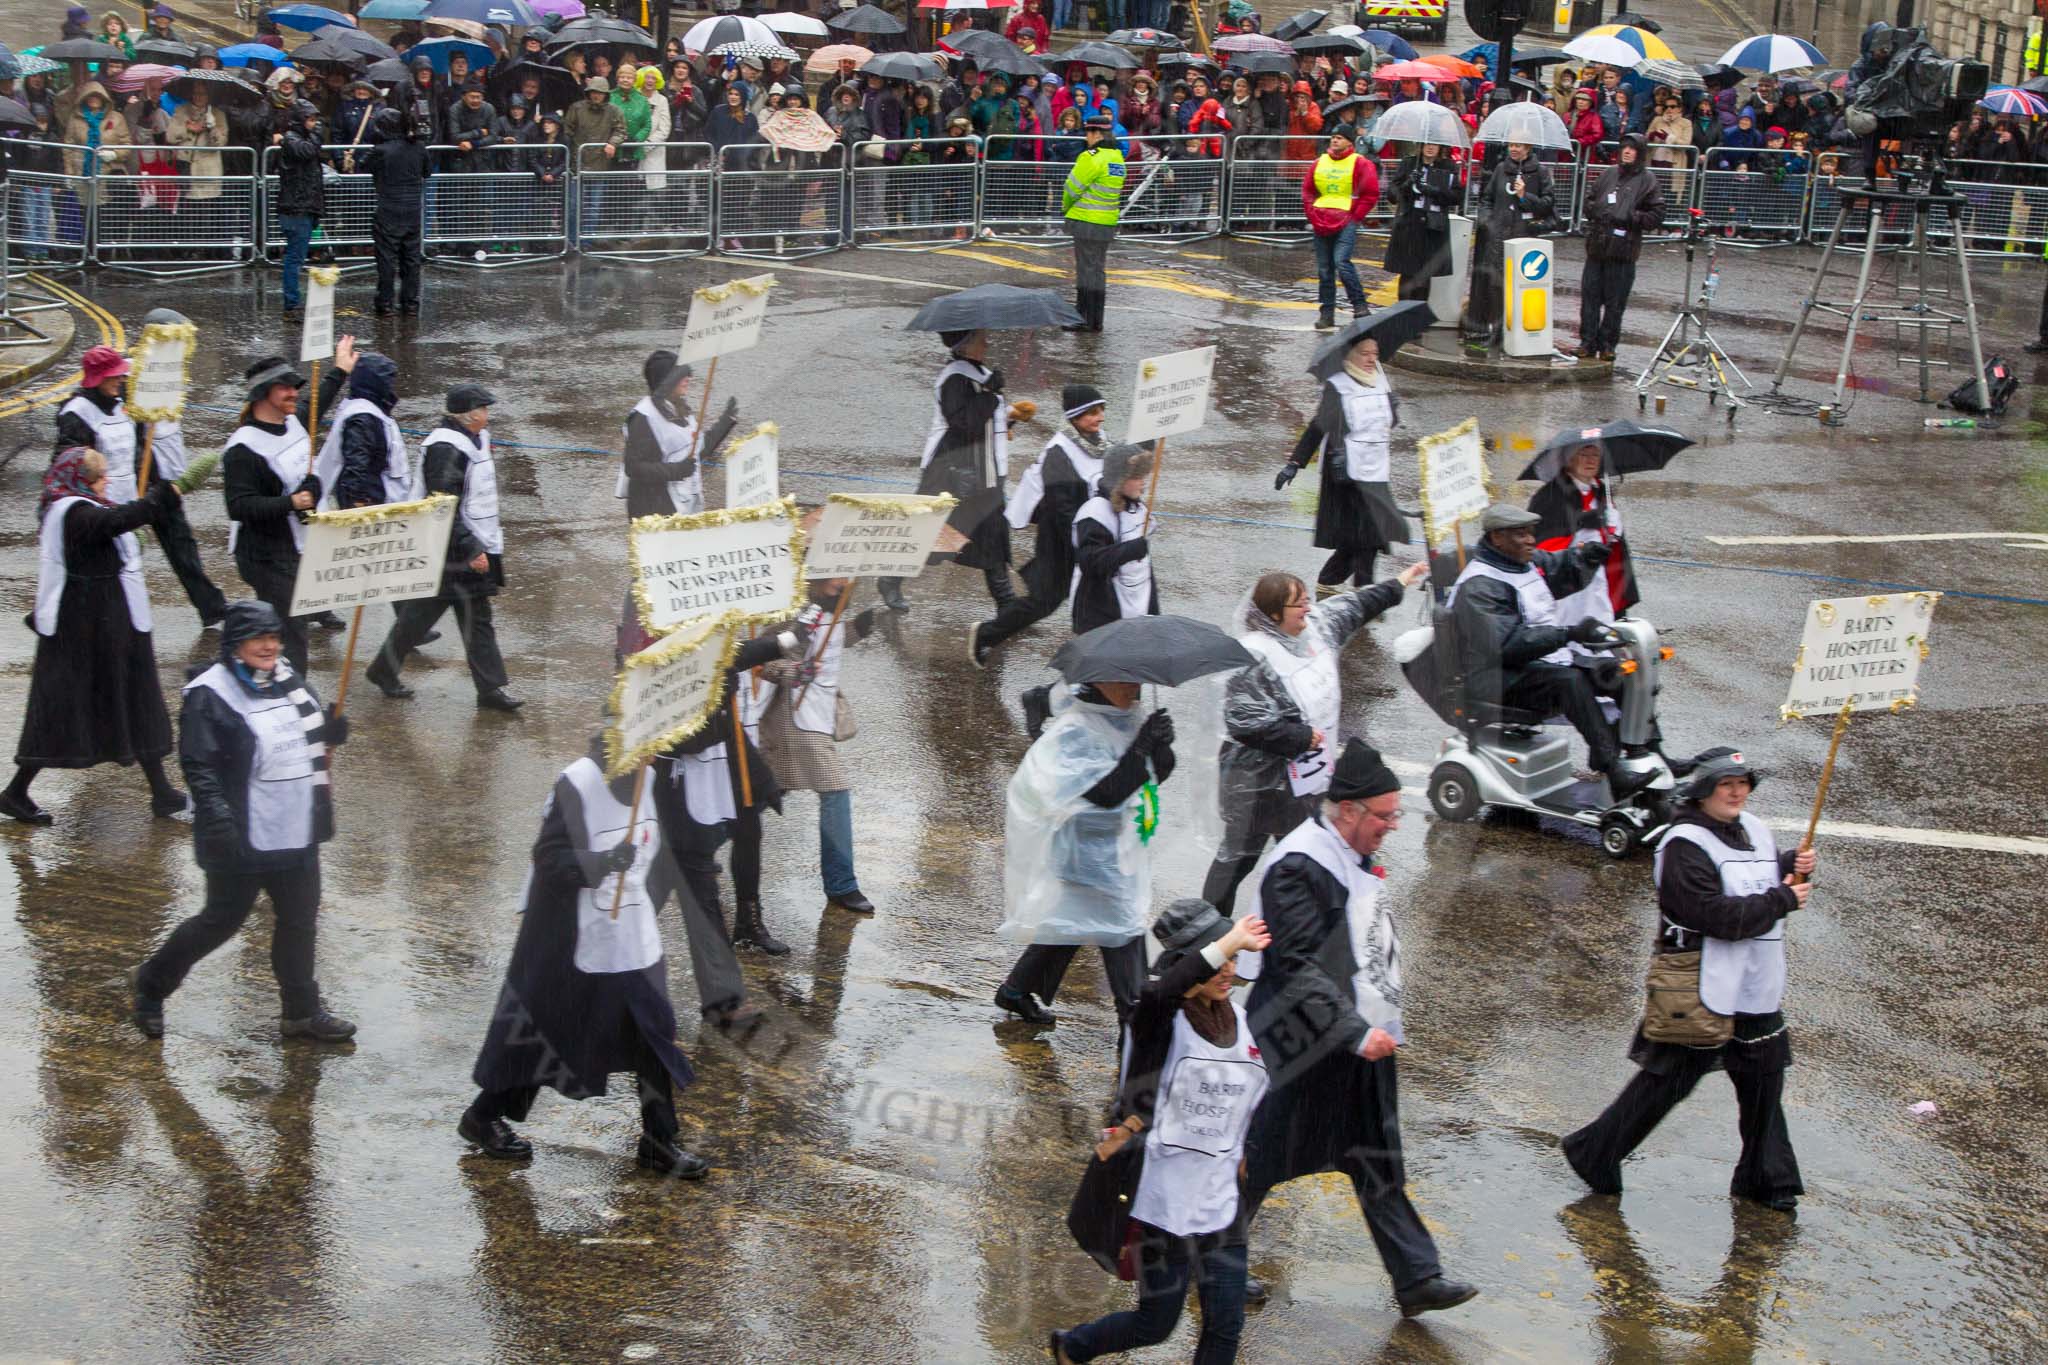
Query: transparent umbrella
pixel 1535 124
pixel 1420 121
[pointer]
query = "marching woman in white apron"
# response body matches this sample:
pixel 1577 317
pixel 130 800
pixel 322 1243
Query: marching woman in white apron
pixel 1353 431
pixel 1281 716
pixel 659 475
pixel 1112 550
pixel 93 697
pixel 456 459
pixel 253 740
pixel 586 991
pixel 364 460
pixel 1724 891
pixel 967 454
pixel 1193 1079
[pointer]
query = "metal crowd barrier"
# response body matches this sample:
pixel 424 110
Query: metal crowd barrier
pixel 1752 192
pixel 1679 183
pixel 1169 194
pixel 630 210
pixel 785 206
pixel 2008 205
pixel 349 204
pixel 1020 195
pixel 175 224
pixel 1567 175
pixel 49 212
pixel 1264 202
pixel 492 217
pixel 917 205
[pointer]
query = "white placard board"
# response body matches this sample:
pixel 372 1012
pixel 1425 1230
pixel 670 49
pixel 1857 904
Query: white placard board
pixel 666 693
pixel 740 560
pixel 156 387
pixel 316 334
pixel 725 318
pixel 753 470
pixel 861 537
pixel 1172 394
pixel 1453 480
pixel 1862 652
pixel 388 553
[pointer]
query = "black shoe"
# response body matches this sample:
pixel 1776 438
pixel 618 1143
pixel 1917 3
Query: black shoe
pixel 977 652
pixel 293 310
pixel 22 809
pixel 852 900
pixel 320 1026
pixel 1602 1186
pixel 1056 1347
pixel 1626 784
pixel 430 637
pixel 383 310
pixel 2038 346
pixel 749 930
pixel 1256 1290
pixel 387 683
pixel 1326 320
pixel 173 807
pixel 411 310
pixel 890 590
pixel 735 1017
pixel 149 1011
pixel 327 620
pixel 1024 1005
pixel 665 1158
pixel 1435 1294
pixel 494 1138
pixel 1037 703
pixel 497 699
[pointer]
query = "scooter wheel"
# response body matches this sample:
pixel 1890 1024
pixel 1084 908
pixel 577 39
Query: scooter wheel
pixel 1452 792
pixel 1617 837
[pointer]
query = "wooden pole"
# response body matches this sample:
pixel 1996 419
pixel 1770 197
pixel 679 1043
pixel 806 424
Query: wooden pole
pixel 830 626
pixel 313 426
pixel 703 408
pixel 632 824
pixel 142 470
pixel 1827 775
pixel 348 661
pixel 739 751
pixel 1152 493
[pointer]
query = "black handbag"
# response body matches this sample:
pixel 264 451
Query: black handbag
pixel 1100 1216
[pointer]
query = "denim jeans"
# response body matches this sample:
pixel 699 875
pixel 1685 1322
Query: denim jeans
pixel 1165 1263
pixel 39 220
pixel 298 234
pixel 1062 13
pixel 1333 259
pixel 835 842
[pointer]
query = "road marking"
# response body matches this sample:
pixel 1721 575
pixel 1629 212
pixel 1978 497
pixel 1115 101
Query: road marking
pixel 2029 537
pixel 111 334
pixel 780 266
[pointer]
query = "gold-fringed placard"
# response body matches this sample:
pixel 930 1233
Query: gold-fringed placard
pixel 668 692
pixel 660 546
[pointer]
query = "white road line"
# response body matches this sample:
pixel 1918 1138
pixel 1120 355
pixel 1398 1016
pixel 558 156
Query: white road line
pixel 2024 845
pixel 2029 537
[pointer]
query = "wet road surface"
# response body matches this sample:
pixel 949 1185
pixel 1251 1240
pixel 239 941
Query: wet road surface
pixel 893 1161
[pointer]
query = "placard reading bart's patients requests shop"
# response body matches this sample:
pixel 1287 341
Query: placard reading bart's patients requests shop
pixel 1172 396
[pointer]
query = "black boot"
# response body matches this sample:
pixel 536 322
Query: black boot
pixel 493 1137
pixel 1098 303
pixel 890 590
pixel 1081 307
pixel 749 930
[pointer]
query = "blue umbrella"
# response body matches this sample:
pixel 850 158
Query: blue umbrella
pixel 393 9
pixel 10 69
pixel 241 54
pixel 1393 44
pixel 1773 52
pixel 439 50
pixel 515 13
pixel 307 18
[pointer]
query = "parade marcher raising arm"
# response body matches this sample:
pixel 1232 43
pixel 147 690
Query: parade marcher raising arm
pixel 660 474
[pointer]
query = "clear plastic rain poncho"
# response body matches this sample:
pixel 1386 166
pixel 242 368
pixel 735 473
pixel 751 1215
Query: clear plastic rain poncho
pixel 1072 871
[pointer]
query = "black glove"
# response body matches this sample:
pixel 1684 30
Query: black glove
pixel 335 732
pixel 1286 475
pixel 731 410
pixel 994 382
pixel 864 623
pixel 1156 734
pixel 1593 553
pixel 1592 632
pixel 1593 519
pixel 620 858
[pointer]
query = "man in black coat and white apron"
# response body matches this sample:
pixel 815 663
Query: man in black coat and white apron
pixel 1326 1009
pixel 456 459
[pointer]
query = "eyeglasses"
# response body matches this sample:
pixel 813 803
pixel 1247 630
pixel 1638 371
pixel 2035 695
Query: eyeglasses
pixel 1392 817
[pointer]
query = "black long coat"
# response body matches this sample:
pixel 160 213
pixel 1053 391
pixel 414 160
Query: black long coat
pixel 1419 243
pixel 93 696
pixel 1349 515
pixel 680 825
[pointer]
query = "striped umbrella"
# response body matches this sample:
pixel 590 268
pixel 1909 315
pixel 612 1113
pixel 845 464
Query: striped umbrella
pixel 1677 75
pixel 1252 42
pixel 762 51
pixel 1412 71
pixel 1772 52
pixel 1620 45
pixel 134 76
pixel 2008 99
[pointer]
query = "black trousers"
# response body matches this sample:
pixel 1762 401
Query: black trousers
pixel 294 899
pixel 746 856
pixel 1039 600
pixel 1414 286
pixel 398 261
pixel 181 550
pixel 472 617
pixel 273 585
pixel 1225 875
pixel 1355 565
pixel 1560 689
pixel 1043 966
pixel 657 1099
pixel 1603 297
pixel 713 962
pixel 1767 1169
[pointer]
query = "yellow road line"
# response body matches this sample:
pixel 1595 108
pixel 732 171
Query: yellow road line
pixel 111 334
pixel 1144 279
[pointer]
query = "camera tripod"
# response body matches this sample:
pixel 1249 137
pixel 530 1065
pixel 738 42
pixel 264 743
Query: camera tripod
pixel 1689 345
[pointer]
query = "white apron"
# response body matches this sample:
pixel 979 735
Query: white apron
pixel 1592 601
pixel 1743 976
pixel 820 699
pixel 632 942
pixel 1375 946
pixel 707 779
pixel 1133 581
pixel 995 440
pixel 289 456
pixel 167 449
pixel 1030 490
pixel 1206 1098
pixel 675 440
pixel 1311 678
pixel 327 468
pixel 285 772
pixel 1538 606
pixel 479 505
pixel 52 571
pixel 1368 426
pixel 113 435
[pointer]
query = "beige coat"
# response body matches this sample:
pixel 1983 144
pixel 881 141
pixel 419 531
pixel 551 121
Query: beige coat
pixel 1677 132
pixel 193 159
pixel 113 134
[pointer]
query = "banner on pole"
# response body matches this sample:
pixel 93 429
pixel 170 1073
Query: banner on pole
pixel 316 334
pixel 667 692
pixel 1172 394
pixel 1455 484
pixel 163 362
pixel 886 537
pixel 1861 653
pixel 753 470
pixel 725 318
pixel 746 560
pixel 391 552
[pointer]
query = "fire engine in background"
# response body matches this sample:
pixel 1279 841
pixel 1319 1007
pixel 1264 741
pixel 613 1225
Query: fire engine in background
pixel 1433 17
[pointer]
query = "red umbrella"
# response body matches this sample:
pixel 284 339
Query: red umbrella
pixel 1412 71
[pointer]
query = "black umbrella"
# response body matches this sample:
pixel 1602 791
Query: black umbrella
pixel 223 87
pixel 1146 37
pixel 1009 64
pixel 1168 650
pixel 902 66
pixel 1630 17
pixel 1542 56
pixel 14 114
pixel 2037 86
pixel 1299 25
pixel 1629 449
pixel 392 71
pixel 978 43
pixel 1392 328
pixel 84 50
pixel 558 88
pixel 994 308
pixel 602 30
pixel 866 19
pixel 1190 59
pixel 1332 42
pixel 169 51
pixel 1362 103
pixel 1263 63
pixel 1099 53
pixel 339 46
pixel 1716 75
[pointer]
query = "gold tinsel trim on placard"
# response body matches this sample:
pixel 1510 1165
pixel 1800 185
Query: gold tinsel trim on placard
pixel 784 507
pixel 686 638
pixel 910 504
pixel 158 334
pixel 735 442
pixel 1427 444
pixel 383 511
pixel 752 285
pixel 326 276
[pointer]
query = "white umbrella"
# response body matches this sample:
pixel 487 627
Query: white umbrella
pixel 1421 121
pixel 802 25
pixel 726 28
pixel 1536 124
pixel 1604 49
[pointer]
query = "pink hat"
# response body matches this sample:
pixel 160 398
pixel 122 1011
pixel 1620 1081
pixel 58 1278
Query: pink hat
pixel 102 363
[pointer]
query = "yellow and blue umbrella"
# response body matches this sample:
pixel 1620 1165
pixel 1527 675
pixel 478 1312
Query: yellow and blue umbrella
pixel 1621 45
